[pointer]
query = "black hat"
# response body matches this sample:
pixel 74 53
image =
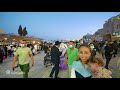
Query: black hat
pixel 57 43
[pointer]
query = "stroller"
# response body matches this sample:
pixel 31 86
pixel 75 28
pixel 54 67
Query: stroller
pixel 47 59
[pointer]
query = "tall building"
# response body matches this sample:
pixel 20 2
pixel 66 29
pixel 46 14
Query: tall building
pixel 116 26
pixel 110 30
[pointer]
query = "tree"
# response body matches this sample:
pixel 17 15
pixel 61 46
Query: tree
pixel 25 32
pixel 20 32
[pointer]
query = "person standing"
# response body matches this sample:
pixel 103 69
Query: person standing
pixel 14 49
pixel 1 54
pixel 80 67
pixel 31 47
pixel 63 48
pixel 46 48
pixel 103 50
pixel 55 58
pixel 23 53
pixel 71 55
pixel 9 51
pixel 6 52
pixel 93 53
pixel 108 54
pixel 79 43
pixel 115 48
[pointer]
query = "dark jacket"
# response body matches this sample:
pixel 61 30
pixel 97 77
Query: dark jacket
pixel 55 55
pixel 108 50
pixel 1 51
pixel 93 53
pixel 45 48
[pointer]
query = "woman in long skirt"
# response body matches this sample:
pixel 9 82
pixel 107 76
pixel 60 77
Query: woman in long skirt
pixel 63 48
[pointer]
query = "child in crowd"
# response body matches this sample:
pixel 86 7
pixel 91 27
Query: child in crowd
pixel 97 69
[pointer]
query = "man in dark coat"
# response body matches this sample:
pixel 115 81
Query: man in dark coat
pixel 45 48
pixel 55 58
pixel 108 54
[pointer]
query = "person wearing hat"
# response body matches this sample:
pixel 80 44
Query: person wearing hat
pixel 55 58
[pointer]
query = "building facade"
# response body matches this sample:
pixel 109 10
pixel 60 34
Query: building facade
pixel 110 30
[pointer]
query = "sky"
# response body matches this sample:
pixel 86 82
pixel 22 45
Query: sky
pixel 55 25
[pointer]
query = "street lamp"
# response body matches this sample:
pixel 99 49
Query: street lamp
pixel 5 39
pixel 33 42
pixel 118 17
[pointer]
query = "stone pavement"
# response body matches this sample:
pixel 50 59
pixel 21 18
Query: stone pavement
pixel 40 71
pixel 37 71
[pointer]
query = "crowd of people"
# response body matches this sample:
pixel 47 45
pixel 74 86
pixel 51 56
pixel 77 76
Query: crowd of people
pixel 78 57
pixel 9 50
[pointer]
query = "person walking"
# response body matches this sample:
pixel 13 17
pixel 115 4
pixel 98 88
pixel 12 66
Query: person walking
pixel 55 58
pixel 23 54
pixel 108 54
pixel 63 48
pixel 6 52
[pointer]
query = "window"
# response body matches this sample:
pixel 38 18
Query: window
pixel 118 26
pixel 118 33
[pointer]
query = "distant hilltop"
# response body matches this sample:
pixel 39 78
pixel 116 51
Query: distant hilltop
pixel 2 31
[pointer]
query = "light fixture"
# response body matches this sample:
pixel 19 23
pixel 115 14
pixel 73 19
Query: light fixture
pixel 118 17
pixel 5 38
pixel 33 42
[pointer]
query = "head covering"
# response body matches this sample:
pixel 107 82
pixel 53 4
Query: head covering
pixel 57 43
